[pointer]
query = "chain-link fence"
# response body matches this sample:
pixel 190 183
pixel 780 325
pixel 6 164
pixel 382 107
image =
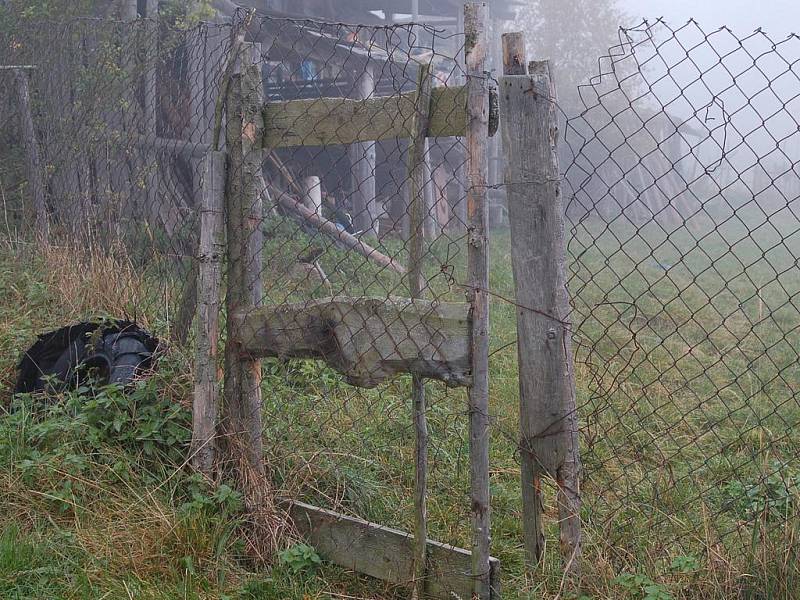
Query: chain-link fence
pixel 681 183
pixel 124 114
pixel 684 244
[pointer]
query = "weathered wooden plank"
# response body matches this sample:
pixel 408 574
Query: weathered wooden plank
pixel 386 553
pixel 475 47
pixel 205 403
pixel 548 419
pixel 326 121
pixel 366 339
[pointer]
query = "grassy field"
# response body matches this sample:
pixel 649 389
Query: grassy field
pixel 687 382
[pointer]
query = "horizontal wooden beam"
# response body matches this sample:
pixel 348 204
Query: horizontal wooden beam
pixel 388 554
pixel 369 340
pixel 328 121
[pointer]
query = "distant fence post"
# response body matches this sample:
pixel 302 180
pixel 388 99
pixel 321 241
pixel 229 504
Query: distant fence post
pixel 205 405
pixel 312 193
pixel 548 419
pixel 475 46
pixel 32 156
pixel 362 169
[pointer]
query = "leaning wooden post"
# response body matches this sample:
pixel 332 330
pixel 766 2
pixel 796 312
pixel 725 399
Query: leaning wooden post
pixel 416 282
pixel 242 407
pixel 32 157
pixel 478 282
pixel 205 405
pixel 548 418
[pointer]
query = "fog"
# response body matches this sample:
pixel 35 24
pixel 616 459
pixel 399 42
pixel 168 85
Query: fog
pixel 776 17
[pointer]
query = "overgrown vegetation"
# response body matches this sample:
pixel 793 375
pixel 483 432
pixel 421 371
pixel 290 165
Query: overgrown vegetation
pixel 96 499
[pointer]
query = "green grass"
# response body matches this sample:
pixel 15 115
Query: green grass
pixel 687 386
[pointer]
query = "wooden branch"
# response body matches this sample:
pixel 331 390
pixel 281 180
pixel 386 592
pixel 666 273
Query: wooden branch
pixel 475 47
pixel 185 148
pixel 367 339
pixel 386 553
pixel 330 229
pixel 327 121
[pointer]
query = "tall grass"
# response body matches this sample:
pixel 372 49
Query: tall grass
pixel 687 381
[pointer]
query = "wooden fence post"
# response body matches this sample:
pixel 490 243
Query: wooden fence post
pixel 478 281
pixel 32 157
pixel 417 147
pixel 241 419
pixel 548 418
pixel 205 406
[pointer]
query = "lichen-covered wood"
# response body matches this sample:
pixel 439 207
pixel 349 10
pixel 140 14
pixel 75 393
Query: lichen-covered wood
pixel 388 554
pixel 369 340
pixel 326 121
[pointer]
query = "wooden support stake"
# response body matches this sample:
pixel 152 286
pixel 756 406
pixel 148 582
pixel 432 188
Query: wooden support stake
pixel 242 408
pixel 548 417
pixel 205 408
pixel 417 154
pixel 515 63
pixel 475 45
pixel 160 208
pixel 32 157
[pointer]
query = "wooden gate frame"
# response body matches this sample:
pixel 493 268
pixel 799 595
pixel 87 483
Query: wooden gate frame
pixel 434 569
